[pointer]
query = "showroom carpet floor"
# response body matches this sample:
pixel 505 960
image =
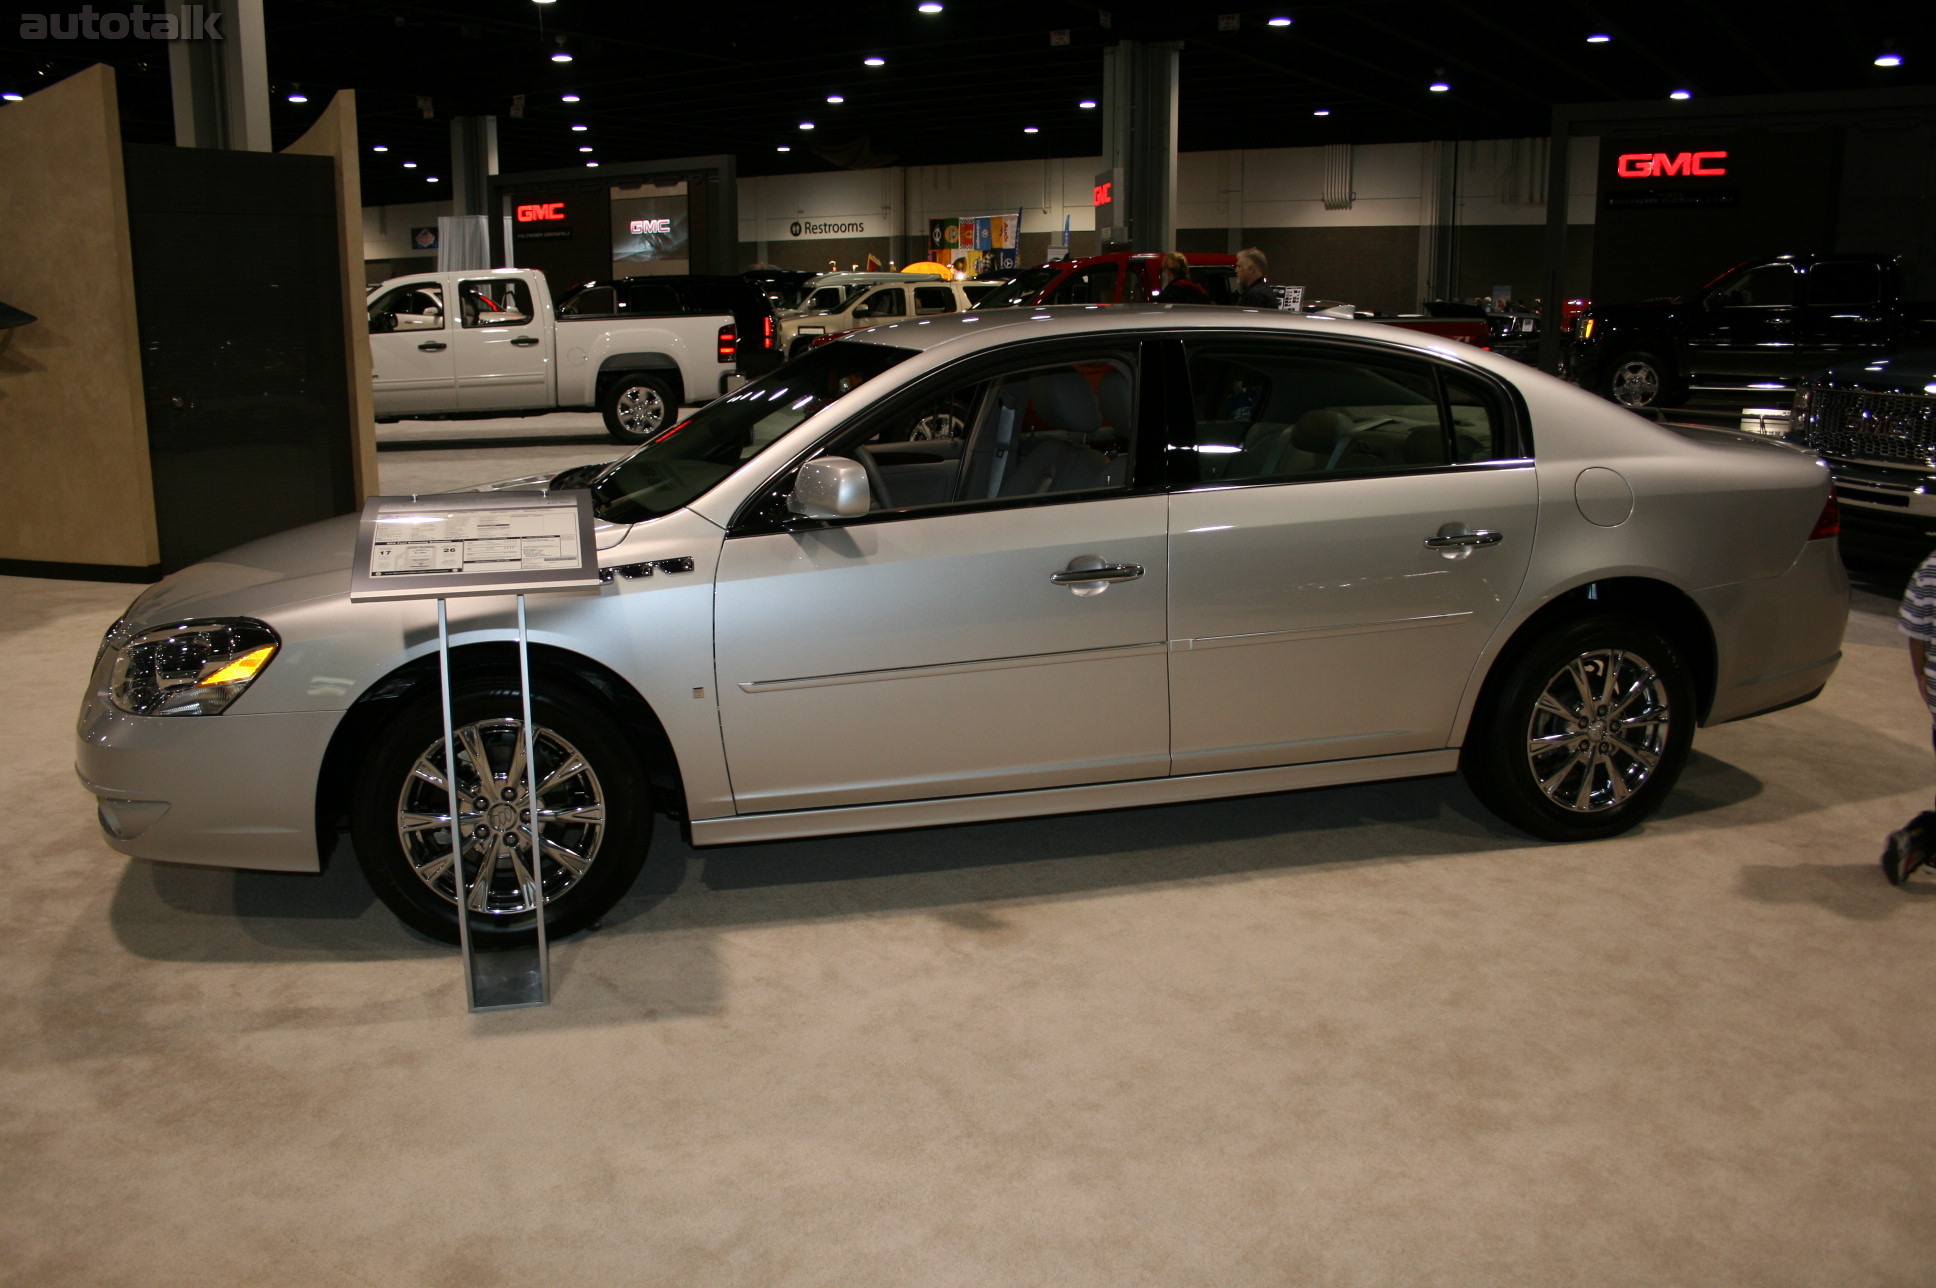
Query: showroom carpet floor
pixel 1358 1036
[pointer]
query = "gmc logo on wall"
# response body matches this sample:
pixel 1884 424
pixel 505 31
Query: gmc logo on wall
pixel 542 210
pixel 652 225
pixel 1653 165
pixel 1100 195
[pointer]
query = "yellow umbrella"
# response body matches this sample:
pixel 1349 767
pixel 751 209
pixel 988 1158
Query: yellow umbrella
pixel 929 266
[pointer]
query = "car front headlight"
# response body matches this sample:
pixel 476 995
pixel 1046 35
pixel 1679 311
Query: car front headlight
pixel 187 669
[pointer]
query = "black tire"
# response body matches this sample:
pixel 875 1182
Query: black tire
pixel 1592 776
pixel 1640 381
pixel 636 407
pixel 602 812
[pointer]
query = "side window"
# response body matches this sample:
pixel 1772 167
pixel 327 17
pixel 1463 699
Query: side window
pixel 646 300
pixel 601 302
pixel 1844 282
pixel 889 302
pixel 1761 286
pixel 1268 412
pixel 934 299
pixel 1063 427
pixel 1093 285
pixel 496 301
pixel 1476 417
pixel 828 298
pixel 417 307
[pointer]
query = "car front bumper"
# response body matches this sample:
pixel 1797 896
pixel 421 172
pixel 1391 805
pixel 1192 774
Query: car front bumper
pixel 230 791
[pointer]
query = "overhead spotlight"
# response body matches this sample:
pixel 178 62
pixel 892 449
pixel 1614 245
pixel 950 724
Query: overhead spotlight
pixel 874 60
pixel 1681 94
pixel 1888 60
pixel 1439 87
pixel 568 98
pixel 1030 129
pixel 10 97
pixel 1086 103
pixel 410 165
pixel 1322 111
pixel 379 147
pixel 1277 22
pixel 591 165
pixel 544 1
pixel 580 129
pixel 561 57
pixel 430 178
pixel 929 6
pixel 806 125
pixel 1598 38
pixel 783 148
pixel 835 98
pixel 296 95
pixel 586 148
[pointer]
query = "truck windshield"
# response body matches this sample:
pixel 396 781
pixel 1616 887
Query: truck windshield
pixel 1022 290
pixel 683 463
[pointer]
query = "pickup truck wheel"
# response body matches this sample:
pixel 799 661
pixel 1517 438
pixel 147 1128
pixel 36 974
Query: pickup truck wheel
pixel 593 814
pixel 1584 734
pixel 636 407
pixel 1640 380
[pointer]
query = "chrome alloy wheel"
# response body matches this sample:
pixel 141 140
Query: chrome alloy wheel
pixel 1598 730
pixel 1636 384
pixel 641 409
pixel 494 817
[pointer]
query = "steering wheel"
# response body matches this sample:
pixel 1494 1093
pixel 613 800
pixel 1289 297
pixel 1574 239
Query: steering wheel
pixel 875 483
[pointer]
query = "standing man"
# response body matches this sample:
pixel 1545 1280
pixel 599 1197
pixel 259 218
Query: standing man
pixel 1253 286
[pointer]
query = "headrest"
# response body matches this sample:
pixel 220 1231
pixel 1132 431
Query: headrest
pixel 1425 446
pixel 1319 430
pixel 1065 401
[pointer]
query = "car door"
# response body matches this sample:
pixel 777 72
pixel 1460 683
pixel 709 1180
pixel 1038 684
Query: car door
pixel 948 642
pixel 1349 528
pixel 411 365
pixel 1844 315
pixel 503 359
pixel 1747 331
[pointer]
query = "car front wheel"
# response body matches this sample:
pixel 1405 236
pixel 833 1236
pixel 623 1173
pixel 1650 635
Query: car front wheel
pixel 1584 736
pixel 592 815
pixel 1640 380
pixel 637 407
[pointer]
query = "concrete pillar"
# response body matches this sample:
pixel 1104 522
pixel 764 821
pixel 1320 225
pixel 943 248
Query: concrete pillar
pixel 1139 81
pixel 219 75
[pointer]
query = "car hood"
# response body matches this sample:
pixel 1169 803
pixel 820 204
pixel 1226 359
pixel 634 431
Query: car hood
pixel 1913 372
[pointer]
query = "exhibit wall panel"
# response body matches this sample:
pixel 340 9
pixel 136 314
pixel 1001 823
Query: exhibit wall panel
pixel 73 431
pixel 334 136
pixel 388 230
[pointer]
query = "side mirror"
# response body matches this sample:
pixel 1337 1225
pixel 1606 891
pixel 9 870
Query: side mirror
pixel 832 487
pixel 863 311
pixel 383 323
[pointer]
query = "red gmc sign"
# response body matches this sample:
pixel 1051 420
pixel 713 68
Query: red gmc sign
pixel 542 210
pixel 1100 194
pixel 1654 165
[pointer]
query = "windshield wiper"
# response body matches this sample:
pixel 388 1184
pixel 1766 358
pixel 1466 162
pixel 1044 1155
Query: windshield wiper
pixel 577 476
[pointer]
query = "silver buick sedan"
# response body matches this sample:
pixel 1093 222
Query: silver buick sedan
pixel 987 566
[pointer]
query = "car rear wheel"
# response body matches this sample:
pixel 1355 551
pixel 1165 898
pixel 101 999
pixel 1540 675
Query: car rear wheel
pixel 1640 381
pixel 1585 734
pixel 593 814
pixel 637 407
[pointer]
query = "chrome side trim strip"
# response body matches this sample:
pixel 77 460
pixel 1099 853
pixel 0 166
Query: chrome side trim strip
pixel 1316 632
pixel 953 668
pixel 793 824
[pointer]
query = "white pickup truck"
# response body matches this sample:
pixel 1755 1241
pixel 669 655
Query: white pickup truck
pixel 489 342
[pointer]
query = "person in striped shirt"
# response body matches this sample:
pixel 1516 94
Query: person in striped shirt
pixel 1909 846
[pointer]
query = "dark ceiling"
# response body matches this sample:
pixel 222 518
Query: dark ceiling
pixel 706 76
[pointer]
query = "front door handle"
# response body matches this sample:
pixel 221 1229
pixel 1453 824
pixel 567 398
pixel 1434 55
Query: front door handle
pixel 1089 575
pixel 1458 540
pixel 525 341
pixel 433 346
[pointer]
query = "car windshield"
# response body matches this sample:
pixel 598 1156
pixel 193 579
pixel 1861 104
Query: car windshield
pixel 1022 290
pixel 683 463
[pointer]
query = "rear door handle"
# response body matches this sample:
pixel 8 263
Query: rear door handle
pixel 1087 570
pixel 525 341
pixel 433 346
pixel 1455 540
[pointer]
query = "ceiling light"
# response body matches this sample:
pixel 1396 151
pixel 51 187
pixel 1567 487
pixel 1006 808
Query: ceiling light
pixel 806 125
pixel 875 60
pixel 591 165
pixel 1277 22
pixel 929 6
pixel 430 178
pixel 586 148
pixel 10 97
pixel 1888 60
pixel 1598 38
pixel 835 98
pixel 561 57
pixel 580 129
pixel 296 95
pixel 379 147
pixel 1681 94
pixel 1439 87
pixel 1322 111
pixel 1030 129
pixel 783 148
pixel 1086 103
pixel 568 98
pixel 410 165
pixel 544 1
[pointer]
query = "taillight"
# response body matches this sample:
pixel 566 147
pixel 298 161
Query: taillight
pixel 1829 522
pixel 768 327
pixel 728 342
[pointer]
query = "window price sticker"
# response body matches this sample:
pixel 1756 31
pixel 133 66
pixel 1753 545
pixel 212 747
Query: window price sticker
pixel 469 543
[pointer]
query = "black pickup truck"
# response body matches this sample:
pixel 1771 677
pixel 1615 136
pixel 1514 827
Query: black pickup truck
pixel 1874 422
pixel 1752 332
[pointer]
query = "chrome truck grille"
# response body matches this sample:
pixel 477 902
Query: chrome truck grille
pixel 1854 424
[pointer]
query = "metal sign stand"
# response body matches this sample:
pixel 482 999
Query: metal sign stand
pixel 483 544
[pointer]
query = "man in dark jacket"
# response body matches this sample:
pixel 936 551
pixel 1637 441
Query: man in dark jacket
pixel 1253 287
